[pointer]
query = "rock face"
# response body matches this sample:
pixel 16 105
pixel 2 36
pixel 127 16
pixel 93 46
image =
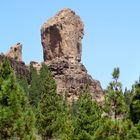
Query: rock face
pixel 61 40
pixel 61 36
pixel 19 67
pixel 36 65
pixel 72 79
pixel 15 57
pixel 15 52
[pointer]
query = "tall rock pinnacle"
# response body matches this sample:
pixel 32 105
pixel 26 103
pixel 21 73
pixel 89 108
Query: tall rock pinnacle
pixel 14 55
pixel 61 36
pixel 61 39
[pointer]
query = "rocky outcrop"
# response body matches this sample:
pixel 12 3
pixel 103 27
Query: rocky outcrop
pixel 72 79
pixel 36 65
pixel 61 40
pixel 15 57
pixel 15 52
pixel 61 36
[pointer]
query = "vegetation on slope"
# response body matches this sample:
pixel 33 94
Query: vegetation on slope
pixel 31 110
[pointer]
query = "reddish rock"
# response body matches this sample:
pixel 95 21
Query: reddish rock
pixel 72 79
pixel 61 39
pixel 15 52
pixel 21 70
pixel 61 36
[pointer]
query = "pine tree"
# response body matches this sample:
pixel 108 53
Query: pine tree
pixel 88 117
pixel 49 107
pixel 23 84
pixel 133 132
pixel 115 106
pixel 135 104
pixel 16 117
pixel 116 130
pixel 35 88
pixel 66 130
pixel 128 96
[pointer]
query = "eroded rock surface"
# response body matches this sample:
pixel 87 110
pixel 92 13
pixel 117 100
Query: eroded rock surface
pixel 72 79
pixel 61 36
pixel 61 40
pixel 20 68
pixel 15 52
pixel 15 57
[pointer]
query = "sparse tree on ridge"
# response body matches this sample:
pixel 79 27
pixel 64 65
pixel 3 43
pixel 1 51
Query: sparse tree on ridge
pixel 115 105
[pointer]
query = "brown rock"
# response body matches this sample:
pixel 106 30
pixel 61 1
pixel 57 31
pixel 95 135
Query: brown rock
pixel 36 65
pixel 61 36
pixel 72 79
pixel 21 70
pixel 61 40
pixel 15 52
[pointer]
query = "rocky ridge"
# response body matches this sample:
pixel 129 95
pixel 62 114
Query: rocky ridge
pixel 61 38
pixel 15 57
pixel 19 67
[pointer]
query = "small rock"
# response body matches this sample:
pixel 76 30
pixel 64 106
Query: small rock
pixel 15 52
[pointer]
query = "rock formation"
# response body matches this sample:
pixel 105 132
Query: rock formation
pixel 61 36
pixel 19 67
pixel 36 65
pixel 15 58
pixel 72 79
pixel 61 39
pixel 15 52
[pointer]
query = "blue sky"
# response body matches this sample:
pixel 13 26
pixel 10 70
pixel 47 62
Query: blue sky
pixel 112 33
